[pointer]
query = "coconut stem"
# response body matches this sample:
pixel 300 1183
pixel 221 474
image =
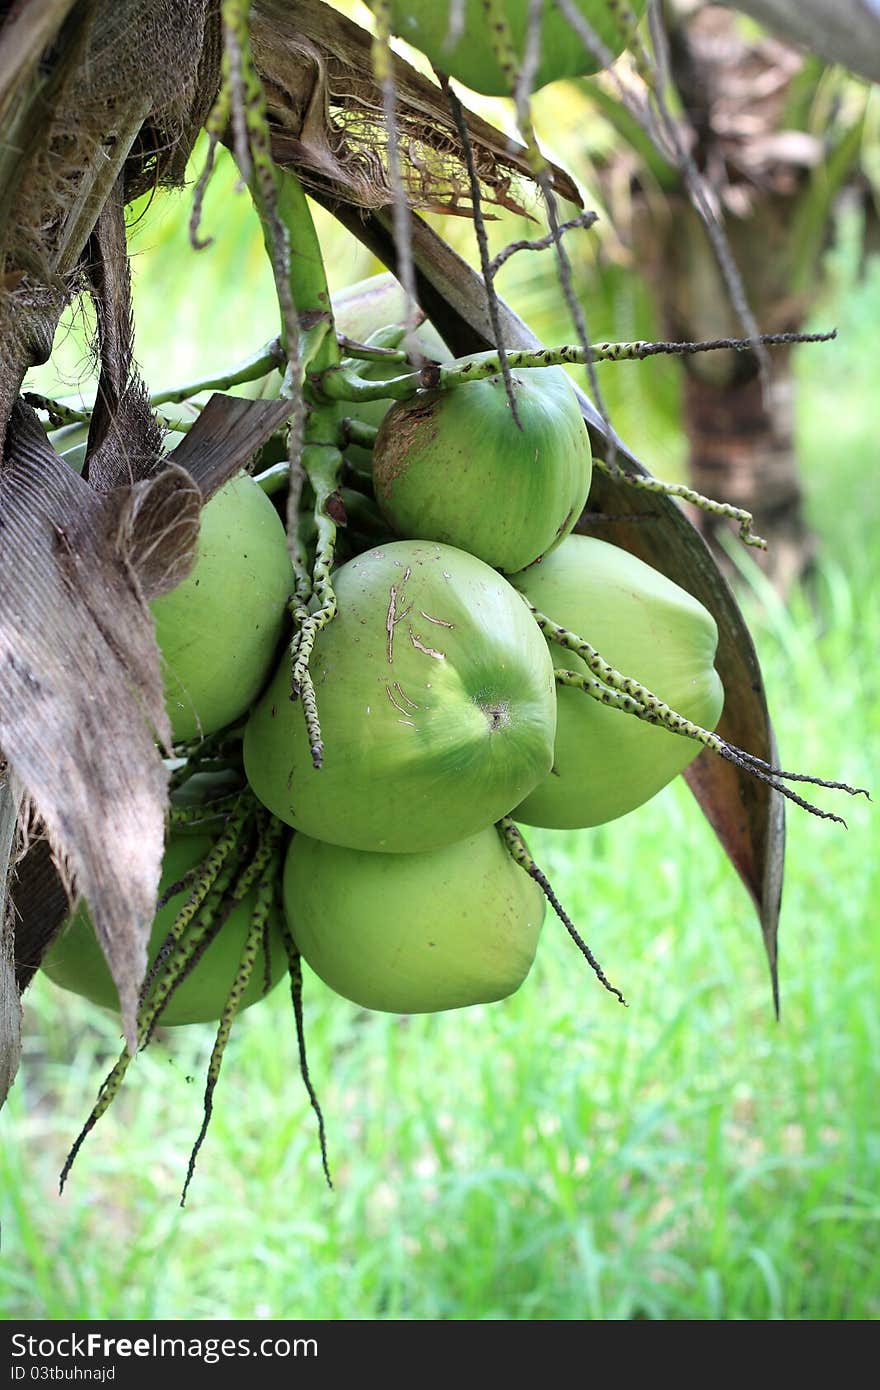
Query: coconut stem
pixel 220 883
pixel 519 852
pixel 744 519
pixel 175 964
pixel 202 878
pixel 206 813
pixel 344 385
pixel 58 413
pixel 366 352
pixel 358 432
pixel 303 296
pixel 322 464
pixel 106 1095
pixel 179 956
pixel 584 219
pixel 268 359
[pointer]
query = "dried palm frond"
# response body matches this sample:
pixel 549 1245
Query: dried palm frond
pixel 327 119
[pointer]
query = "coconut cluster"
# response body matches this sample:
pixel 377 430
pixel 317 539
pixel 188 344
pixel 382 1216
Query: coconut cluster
pixel 440 708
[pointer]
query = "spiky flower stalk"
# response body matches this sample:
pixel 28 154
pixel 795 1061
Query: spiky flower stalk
pixel 618 691
pixel 245 858
pixel 197 918
pixel 643 483
pixel 262 874
pixel 294 970
pixel 519 853
pixel 342 385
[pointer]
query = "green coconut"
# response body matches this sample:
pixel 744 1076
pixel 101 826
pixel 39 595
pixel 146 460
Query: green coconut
pixel 454 466
pixel 76 962
pixel 607 763
pixel 437 704
pixel 219 630
pixel 414 933
pixel 426 25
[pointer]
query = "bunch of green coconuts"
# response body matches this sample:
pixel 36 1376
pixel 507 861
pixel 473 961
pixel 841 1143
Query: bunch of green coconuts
pixel 440 711
pixel 443 718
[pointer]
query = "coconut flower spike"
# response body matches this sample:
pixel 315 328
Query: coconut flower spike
pixel 262 872
pixel 743 519
pixel 223 877
pixel 294 960
pixel 200 922
pixel 622 692
pixel 519 853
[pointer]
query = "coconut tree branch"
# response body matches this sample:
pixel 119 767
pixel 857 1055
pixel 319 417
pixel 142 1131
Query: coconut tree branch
pixel 252 368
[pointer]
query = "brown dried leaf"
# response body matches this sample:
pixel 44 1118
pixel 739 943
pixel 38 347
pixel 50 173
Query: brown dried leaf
pixel 81 698
pixel 327 118
pixel 125 438
pixel 157 529
pixel 157 534
pixel 10 1005
pixel 747 815
pixel 86 89
pixel 226 436
pixel 40 904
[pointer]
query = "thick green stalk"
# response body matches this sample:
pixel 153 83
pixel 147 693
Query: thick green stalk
pixel 308 336
pixel 251 369
pixel 306 276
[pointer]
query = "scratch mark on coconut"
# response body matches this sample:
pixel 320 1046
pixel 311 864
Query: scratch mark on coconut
pixel 389 692
pixel 403 695
pixel 441 622
pixel 429 651
pixel 392 617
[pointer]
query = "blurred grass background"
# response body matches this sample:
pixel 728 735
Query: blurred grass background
pixel 554 1156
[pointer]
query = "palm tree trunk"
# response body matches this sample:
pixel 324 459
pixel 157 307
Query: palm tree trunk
pixel 740 431
pixel 742 450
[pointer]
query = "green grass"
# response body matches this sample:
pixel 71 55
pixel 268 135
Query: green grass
pixel 552 1157
pixel 555 1156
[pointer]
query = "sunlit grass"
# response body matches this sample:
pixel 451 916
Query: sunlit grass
pixel 555 1156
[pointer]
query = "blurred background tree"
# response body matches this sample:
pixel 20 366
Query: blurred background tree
pixel 777 137
pixel 780 139
pixel 783 141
